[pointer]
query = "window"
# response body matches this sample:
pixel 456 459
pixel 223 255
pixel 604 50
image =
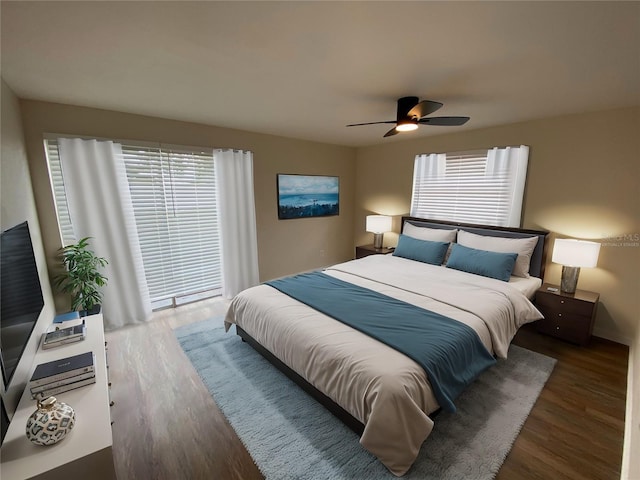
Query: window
pixel 173 193
pixel 57 186
pixel 483 187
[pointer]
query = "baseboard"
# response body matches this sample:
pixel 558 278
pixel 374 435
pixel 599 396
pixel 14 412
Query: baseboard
pixel 631 421
pixel 614 337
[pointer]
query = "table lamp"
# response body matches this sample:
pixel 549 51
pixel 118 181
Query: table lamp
pixel 573 254
pixel 378 224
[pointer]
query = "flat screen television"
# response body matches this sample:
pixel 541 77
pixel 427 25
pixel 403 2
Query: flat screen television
pixel 21 297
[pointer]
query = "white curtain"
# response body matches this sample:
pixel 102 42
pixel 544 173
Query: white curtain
pixel 426 168
pixel 510 162
pixel 237 220
pixel 100 207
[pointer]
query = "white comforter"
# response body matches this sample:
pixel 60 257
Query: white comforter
pixel 387 391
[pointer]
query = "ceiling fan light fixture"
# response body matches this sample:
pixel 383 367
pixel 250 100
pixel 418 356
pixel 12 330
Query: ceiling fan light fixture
pixel 412 112
pixel 406 127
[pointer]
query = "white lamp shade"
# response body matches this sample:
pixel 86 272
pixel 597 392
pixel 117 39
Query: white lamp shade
pixel 575 253
pixel 378 223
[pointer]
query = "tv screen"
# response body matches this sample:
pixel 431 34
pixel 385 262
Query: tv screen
pixel 21 296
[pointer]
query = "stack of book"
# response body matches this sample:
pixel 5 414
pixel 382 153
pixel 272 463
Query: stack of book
pixel 53 378
pixel 62 335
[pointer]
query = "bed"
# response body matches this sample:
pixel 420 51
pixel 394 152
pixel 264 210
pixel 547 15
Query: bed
pixel 439 269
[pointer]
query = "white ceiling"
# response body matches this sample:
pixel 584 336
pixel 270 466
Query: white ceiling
pixel 306 69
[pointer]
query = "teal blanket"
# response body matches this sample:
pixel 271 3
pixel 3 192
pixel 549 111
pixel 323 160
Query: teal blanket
pixel 450 352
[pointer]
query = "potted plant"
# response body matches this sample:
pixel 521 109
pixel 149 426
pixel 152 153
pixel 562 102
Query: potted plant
pixel 81 278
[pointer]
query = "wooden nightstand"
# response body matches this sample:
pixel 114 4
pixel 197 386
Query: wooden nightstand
pixel 366 250
pixel 568 316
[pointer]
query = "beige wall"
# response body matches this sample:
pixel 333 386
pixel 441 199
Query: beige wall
pixel 284 246
pixel 18 205
pixel 583 182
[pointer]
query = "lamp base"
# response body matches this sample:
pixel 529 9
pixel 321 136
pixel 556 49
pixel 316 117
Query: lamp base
pixel 569 279
pixel 377 240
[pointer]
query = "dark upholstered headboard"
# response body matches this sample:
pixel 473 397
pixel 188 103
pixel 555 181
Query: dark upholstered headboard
pixel 538 258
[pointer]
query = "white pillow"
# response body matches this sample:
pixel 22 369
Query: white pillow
pixel 522 246
pixel 431 234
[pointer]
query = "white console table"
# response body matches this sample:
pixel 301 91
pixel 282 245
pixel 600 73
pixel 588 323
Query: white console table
pixel 86 452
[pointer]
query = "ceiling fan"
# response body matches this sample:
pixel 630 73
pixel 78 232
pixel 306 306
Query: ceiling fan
pixel 413 112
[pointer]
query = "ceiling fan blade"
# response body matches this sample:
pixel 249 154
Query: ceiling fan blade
pixel 370 123
pixel 444 121
pixel 391 132
pixel 424 108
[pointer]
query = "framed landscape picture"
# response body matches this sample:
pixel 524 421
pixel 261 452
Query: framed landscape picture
pixel 302 196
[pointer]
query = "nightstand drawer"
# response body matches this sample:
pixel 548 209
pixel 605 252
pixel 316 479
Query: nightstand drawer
pixel 559 304
pixel 575 329
pixel 568 316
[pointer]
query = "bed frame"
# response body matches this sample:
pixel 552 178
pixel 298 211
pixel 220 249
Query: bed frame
pixel 538 260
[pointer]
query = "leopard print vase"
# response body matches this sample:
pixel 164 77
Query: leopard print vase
pixel 51 422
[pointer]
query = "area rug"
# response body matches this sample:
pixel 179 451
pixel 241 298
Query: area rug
pixel 291 436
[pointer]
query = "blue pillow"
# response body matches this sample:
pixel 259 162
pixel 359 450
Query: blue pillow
pixel 421 250
pixel 481 262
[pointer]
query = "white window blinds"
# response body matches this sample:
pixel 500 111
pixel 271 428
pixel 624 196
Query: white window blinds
pixel 57 186
pixel 173 192
pixel 474 187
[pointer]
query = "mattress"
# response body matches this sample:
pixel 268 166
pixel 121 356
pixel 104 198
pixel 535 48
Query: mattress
pixel 528 286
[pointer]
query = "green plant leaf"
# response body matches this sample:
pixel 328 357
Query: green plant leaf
pixel 81 278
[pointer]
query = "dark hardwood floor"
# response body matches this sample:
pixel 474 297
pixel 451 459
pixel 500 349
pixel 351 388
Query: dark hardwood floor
pixel 167 426
pixel 576 428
